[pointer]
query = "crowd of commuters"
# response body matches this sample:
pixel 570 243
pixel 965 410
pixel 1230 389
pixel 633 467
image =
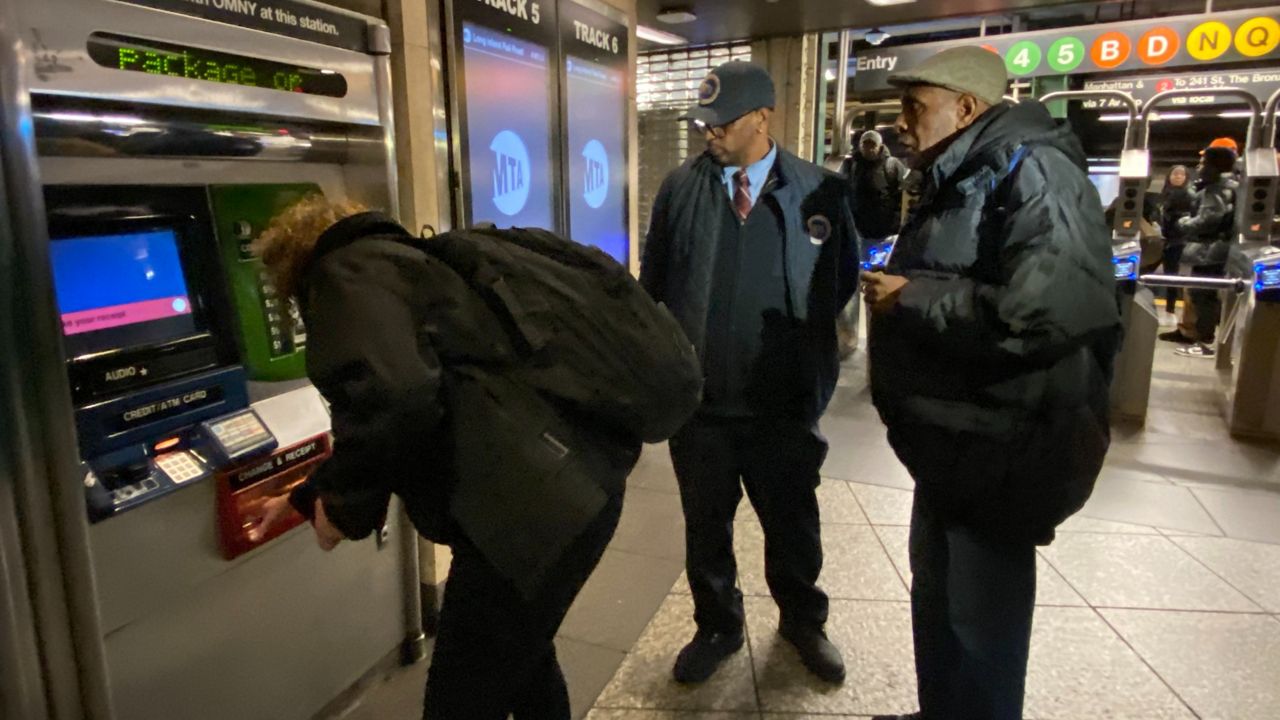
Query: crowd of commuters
pixel 993 328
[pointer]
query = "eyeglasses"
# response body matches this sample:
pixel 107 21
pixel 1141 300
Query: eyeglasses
pixel 716 131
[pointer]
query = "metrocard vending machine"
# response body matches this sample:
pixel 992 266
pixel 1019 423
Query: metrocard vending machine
pixel 168 133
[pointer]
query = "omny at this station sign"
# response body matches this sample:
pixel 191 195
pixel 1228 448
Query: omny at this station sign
pixel 1183 42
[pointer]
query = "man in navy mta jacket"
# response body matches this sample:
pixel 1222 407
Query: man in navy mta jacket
pixel 754 251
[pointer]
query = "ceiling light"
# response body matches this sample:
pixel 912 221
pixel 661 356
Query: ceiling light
pixel 1155 116
pixel 676 16
pixel 882 3
pixel 659 36
pixel 875 36
pixel 829 74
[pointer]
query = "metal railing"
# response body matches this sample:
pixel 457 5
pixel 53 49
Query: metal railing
pixel 1192 282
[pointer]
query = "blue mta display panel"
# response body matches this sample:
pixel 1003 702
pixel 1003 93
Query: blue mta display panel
pixel 120 290
pixel 597 157
pixel 508 98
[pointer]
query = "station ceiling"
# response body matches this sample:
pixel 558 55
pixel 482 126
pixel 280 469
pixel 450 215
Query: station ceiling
pixel 725 20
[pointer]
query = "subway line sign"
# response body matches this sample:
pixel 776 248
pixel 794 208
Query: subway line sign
pixel 1184 41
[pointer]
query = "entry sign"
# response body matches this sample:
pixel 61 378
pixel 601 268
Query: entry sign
pixel 1183 41
pixel 303 21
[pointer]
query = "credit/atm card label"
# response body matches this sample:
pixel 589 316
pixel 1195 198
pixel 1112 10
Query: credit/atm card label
pixel 136 415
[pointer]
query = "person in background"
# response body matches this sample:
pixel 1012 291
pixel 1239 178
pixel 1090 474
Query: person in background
pixel 876 179
pixel 386 323
pixel 1175 204
pixel 1208 232
pixel 994 330
pixel 754 251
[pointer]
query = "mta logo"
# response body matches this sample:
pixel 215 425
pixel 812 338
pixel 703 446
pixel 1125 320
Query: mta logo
pixel 511 172
pixel 595 175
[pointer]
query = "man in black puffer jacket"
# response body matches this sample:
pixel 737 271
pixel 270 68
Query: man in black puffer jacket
pixel 876 178
pixel 993 334
pixel 1209 231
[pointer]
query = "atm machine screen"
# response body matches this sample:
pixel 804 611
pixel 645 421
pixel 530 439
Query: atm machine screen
pixel 121 290
pixel 508 101
pixel 597 157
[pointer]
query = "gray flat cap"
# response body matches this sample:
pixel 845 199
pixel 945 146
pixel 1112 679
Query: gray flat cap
pixel 969 70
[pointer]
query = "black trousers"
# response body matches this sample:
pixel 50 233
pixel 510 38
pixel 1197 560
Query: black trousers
pixel 972 599
pixel 777 461
pixel 1208 304
pixel 1169 264
pixel 495 654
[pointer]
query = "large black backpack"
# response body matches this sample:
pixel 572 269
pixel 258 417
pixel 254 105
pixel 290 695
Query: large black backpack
pixel 586 332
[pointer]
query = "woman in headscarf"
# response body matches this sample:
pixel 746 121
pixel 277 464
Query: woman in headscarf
pixel 1175 203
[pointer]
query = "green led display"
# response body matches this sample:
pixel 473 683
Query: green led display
pixel 158 58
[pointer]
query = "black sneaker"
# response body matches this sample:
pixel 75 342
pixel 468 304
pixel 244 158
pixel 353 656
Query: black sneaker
pixel 1196 351
pixel 818 654
pixel 1176 336
pixel 700 658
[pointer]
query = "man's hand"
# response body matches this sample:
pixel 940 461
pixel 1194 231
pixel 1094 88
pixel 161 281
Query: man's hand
pixel 327 536
pixel 881 290
pixel 273 510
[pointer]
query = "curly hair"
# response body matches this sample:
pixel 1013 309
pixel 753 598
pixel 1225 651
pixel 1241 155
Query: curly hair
pixel 286 244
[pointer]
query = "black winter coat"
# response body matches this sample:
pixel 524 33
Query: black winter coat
pixel 992 372
pixel 877 193
pixel 1175 204
pixel 396 340
pixel 1210 228
pixel 821 250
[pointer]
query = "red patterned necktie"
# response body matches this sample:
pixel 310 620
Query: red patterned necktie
pixel 741 194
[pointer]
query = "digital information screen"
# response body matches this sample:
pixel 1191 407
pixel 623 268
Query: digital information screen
pixel 122 290
pixel 597 161
pixel 160 58
pixel 1126 267
pixel 1108 186
pixel 508 120
pixel 1268 277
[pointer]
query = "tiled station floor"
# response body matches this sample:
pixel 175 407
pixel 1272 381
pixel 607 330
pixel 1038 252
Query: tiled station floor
pixel 1161 599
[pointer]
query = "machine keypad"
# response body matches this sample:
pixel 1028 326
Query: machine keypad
pixel 180 467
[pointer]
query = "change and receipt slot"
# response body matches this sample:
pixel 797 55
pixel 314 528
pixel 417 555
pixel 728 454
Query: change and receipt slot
pixel 162 154
pixel 1131 387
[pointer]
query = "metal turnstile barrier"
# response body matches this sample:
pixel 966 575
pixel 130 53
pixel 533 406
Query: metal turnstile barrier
pixel 1132 384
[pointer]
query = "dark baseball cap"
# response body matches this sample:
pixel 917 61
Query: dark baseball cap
pixel 731 91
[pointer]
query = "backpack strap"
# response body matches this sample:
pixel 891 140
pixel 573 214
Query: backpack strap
pixel 467 257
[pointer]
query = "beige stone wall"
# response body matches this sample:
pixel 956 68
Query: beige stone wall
pixel 791 62
pixel 416 79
